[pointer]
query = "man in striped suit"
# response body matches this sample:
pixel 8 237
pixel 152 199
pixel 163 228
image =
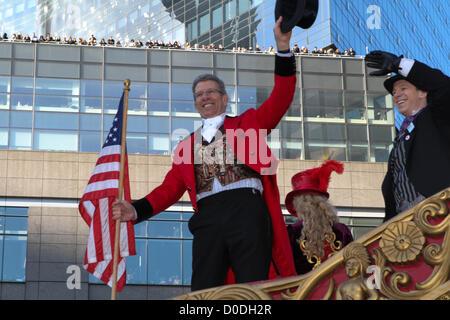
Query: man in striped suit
pixel 419 163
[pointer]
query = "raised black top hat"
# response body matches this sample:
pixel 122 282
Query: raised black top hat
pixel 389 83
pixel 300 13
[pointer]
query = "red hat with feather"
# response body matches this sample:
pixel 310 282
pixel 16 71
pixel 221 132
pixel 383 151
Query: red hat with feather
pixel 314 180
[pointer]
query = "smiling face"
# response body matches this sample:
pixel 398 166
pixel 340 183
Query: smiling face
pixel 408 98
pixel 209 101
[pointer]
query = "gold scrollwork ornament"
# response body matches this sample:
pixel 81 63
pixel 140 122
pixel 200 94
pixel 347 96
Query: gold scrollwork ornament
pixel 330 239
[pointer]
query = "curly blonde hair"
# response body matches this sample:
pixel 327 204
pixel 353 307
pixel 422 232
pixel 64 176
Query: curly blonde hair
pixel 318 216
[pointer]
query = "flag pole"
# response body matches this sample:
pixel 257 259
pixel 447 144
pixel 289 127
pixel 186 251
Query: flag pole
pixel 120 195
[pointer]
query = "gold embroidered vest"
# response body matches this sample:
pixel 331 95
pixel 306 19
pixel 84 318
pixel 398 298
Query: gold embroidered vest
pixel 217 160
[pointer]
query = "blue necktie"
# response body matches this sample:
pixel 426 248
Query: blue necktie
pixel 406 122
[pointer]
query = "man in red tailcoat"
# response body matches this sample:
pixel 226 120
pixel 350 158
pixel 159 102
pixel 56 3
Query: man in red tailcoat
pixel 229 173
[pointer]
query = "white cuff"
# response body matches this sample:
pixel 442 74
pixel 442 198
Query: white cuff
pixel 405 66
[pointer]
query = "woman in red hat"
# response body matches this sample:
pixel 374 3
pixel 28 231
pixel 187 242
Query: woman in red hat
pixel 318 234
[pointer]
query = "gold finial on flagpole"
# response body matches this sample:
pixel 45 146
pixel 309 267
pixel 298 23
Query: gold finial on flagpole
pixel 127 83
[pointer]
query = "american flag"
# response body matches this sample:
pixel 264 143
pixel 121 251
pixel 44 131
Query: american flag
pixel 96 209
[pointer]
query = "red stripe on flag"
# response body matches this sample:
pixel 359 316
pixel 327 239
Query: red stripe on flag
pixel 98 239
pixel 110 175
pixel 114 157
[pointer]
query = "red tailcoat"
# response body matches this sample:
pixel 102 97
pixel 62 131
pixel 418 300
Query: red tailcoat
pixel 245 134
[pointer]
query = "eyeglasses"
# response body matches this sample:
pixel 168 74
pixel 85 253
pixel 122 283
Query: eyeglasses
pixel 207 92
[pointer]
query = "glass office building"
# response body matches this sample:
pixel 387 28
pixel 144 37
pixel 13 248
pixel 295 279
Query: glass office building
pixel 416 28
pixel 63 98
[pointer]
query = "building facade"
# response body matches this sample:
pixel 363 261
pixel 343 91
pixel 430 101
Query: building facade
pixel 416 28
pixel 57 104
pixel 62 98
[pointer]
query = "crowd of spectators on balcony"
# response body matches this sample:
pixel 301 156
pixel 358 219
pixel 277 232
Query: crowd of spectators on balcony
pixel 92 41
pixel 330 51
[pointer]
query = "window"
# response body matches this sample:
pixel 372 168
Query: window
pixel 158 144
pixel 4 101
pixel 8 12
pixel 21 101
pixel 324 98
pixel 156 107
pixel 90 141
pixel 4 84
pixel 20 139
pixel 4 118
pixel 55 140
pixel 185 125
pixel 360 226
pixel 292 149
pixel 90 121
pixel 22 85
pixel 57 103
pixel 191 30
pixel 243 6
pixel 113 89
pixel 256 95
pixel 381 138
pixel 163 251
pixel 158 124
pixel 137 124
pixel 92 88
pixel 21 119
pixel 20 7
pixel 291 130
pixel 183 106
pixel 3 138
pixel 324 140
pixel 13 243
pixel 217 17
pixel 136 143
pixel 91 105
pixel 158 90
pixel 50 120
pixel 381 134
pixel 110 105
pixel 357 143
pixel 57 86
pixel 182 100
pixel 31 4
pixel 230 10
pixel 204 23
pixel 182 92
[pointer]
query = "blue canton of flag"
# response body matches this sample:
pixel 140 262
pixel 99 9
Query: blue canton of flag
pixel 115 133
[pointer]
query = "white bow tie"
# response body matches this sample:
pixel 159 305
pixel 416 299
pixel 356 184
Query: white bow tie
pixel 211 125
